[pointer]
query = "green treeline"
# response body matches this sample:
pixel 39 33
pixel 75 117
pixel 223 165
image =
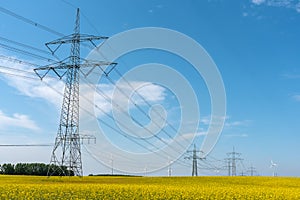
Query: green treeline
pixel 36 169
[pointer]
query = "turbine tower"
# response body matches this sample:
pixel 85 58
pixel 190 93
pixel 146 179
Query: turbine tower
pixel 66 153
pixel 273 166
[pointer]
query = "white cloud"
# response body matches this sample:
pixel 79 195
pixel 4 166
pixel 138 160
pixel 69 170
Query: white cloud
pixel 245 14
pixel 206 120
pixel 238 123
pixel 298 7
pixel 291 75
pixel 192 135
pixel 159 6
pixel 296 97
pixel 138 91
pixel 258 2
pixel 237 135
pixel 134 94
pixel 17 120
pixel 37 89
pixel 291 4
pixel 33 88
pixel 50 89
pixel 184 137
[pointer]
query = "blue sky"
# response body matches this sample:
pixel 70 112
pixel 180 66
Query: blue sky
pixel 255 45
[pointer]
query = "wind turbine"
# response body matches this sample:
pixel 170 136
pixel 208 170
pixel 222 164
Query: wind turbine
pixel 273 166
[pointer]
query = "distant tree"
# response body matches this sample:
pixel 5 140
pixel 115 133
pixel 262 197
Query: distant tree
pixel 20 169
pixel 37 169
pixel 8 168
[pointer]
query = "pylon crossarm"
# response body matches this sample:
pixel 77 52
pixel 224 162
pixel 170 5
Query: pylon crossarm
pixel 71 38
pixel 100 64
pixel 77 37
pixel 62 65
pixel 52 67
pixel 88 138
pixel 41 76
pixel 53 50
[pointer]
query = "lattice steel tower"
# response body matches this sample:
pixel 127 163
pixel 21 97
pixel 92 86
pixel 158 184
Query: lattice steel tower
pixel 233 158
pixel 194 157
pixel 67 150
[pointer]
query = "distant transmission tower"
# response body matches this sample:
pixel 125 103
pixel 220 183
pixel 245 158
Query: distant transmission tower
pixel 169 167
pixel 67 150
pixel 194 157
pixel 252 170
pixel 112 164
pixel 232 159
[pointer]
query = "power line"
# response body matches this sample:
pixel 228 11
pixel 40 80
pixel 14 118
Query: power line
pixel 101 121
pixel 60 34
pixel 70 108
pixel 124 125
pixel 25 52
pixel 35 24
pixel 96 106
pixel 137 106
pixel 32 23
pixel 26 145
pixel 144 113
pixel 144 100
pixel 18 75
pixel 27 46
pixel 130 85
pixel 7 69
pixel 120 132
pixel 14 69
pixel 26 20
pixel 15 60
pixel 119 108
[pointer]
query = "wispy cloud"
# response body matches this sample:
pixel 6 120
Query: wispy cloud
pixel 291 76
pixel 243 135
pixel 155 8
pixel 185 137
pixel 50 89
pixel 230 125
pixel 127 96
pixel 33 88
pixel 257 2
pixel 296 97
pixel 196 134
pixel 206 120
pixel 17 120
pixel 290 4
pixel 237 123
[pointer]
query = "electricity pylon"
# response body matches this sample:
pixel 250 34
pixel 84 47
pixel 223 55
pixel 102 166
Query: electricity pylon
pixel 169 167
pixel 68 138
pixel 194 157
pixel 232 159
pixel 252 170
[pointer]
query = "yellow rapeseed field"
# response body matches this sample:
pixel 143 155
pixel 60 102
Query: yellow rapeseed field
pixel 32 187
